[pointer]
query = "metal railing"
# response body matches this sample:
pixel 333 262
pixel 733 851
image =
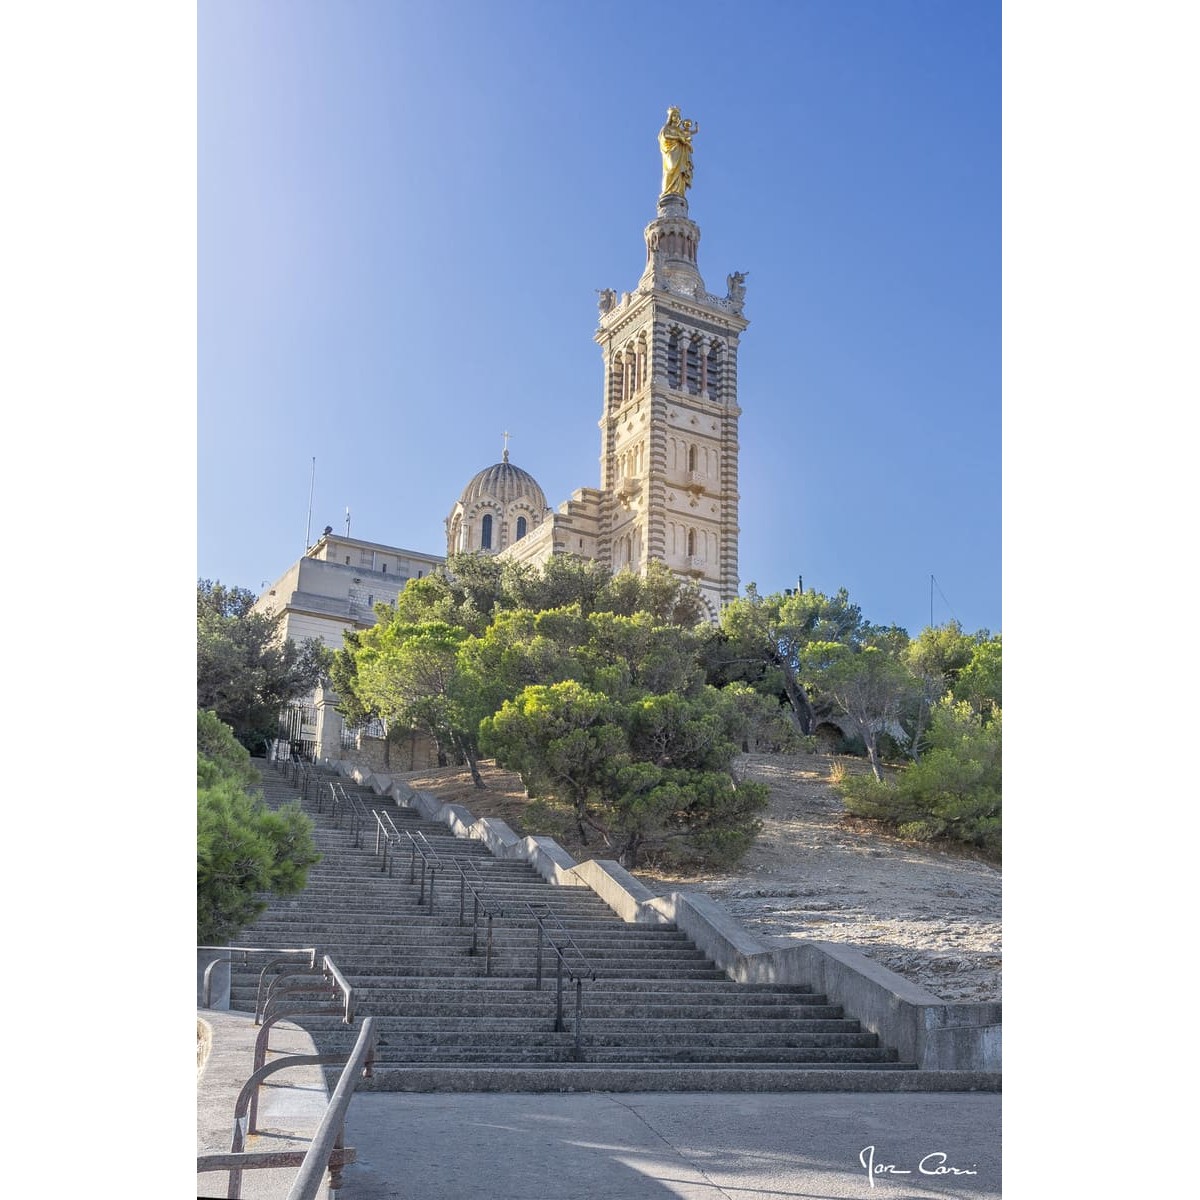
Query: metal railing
pixel 481 906
pixel 585 970
pixel 431 862
pixel 228 954
pixel 327 983
pixel 326 1151
pixel 360 816
pixel 387 838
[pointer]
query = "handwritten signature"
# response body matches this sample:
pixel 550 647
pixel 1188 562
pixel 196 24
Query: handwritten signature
pixel 933 1163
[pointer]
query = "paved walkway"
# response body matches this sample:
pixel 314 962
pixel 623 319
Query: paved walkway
pixel 607 1146
pixel 290 1106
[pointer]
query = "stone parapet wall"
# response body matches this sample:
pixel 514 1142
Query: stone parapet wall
pixel 415 752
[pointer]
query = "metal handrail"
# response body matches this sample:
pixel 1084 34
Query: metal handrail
pixel 390 835
pixel 562 966
pixel 332 982
pixel 259 1002
pixel 328 1138
pixel 480 906
pixel 326 1150
pixel 226 951
pixel 589 972
pixel 427 853
pixel 358 817
pixel 478 875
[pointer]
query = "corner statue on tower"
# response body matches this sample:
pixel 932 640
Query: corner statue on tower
pixel 675 142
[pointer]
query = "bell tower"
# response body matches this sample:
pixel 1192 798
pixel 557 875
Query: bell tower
pixel 669 429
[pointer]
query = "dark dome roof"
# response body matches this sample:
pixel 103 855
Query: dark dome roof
pixel 505 483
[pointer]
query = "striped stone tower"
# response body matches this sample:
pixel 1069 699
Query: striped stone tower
pixel 669 431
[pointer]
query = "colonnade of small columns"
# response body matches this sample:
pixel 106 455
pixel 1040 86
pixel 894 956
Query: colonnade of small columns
pixel 695 364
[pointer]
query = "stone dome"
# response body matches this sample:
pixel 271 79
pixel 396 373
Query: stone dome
pixel 501 505
pixel 503 482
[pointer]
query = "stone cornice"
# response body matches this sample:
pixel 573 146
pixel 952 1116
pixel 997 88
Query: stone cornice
pixel 632 311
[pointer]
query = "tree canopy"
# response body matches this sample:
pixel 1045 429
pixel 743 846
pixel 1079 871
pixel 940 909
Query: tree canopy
pixel 611 697
pixel 590 685
pixel 244 673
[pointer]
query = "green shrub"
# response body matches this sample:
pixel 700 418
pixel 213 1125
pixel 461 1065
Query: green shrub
pixel 954 791
pixel 243 849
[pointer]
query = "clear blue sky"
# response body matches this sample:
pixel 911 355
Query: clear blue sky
pixel 404 211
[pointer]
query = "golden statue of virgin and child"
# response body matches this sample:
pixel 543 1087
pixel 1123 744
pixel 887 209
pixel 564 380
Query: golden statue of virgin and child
pixel 675 142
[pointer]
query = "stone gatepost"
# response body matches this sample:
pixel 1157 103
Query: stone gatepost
pixel 329 724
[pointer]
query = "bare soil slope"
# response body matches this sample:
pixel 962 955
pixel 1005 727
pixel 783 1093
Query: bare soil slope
pixel 814 873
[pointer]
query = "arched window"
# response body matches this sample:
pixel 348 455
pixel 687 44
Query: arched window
pixel 485 539
pixel 691 458
pixel 673 360
pixel 619 377
pixel 522 526
pixel 693 366
pixel 691 543
pixel 714 370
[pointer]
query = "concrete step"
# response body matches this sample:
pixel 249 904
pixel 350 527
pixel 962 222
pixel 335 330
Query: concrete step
pixel 394 1034
pixel 684 1056
pixel 615 1077
pixel 720 987
pixel 474 965
pixel 533 1003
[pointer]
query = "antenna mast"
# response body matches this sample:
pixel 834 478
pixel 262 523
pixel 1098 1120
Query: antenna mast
pixel 308 528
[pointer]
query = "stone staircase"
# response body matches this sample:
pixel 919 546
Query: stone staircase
pixel 659 1016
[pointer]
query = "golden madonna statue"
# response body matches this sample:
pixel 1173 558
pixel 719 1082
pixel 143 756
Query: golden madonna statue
pixel 675 142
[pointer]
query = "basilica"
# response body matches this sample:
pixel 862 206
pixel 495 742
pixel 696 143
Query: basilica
pixel 668 487
pixel 668 425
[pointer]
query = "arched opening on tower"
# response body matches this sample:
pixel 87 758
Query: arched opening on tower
pixel 485 535
pixel 693 366
pixel 673 359
pixel 714 370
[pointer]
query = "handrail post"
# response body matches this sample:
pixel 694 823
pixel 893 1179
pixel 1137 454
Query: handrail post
pixel 462 895
pixel 487 968
pixel 421 897
pixel 538 986
pixel 432 875
pixel 412 864
pixel 579 1020
pixel 475 928
pixel 558 1011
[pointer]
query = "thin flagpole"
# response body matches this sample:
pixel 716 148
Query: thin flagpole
pixel 308 527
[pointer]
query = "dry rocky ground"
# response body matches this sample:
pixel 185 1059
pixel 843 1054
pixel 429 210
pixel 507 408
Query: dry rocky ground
pixel 930 914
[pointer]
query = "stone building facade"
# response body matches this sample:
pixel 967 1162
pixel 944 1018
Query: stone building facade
pixel 336 585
